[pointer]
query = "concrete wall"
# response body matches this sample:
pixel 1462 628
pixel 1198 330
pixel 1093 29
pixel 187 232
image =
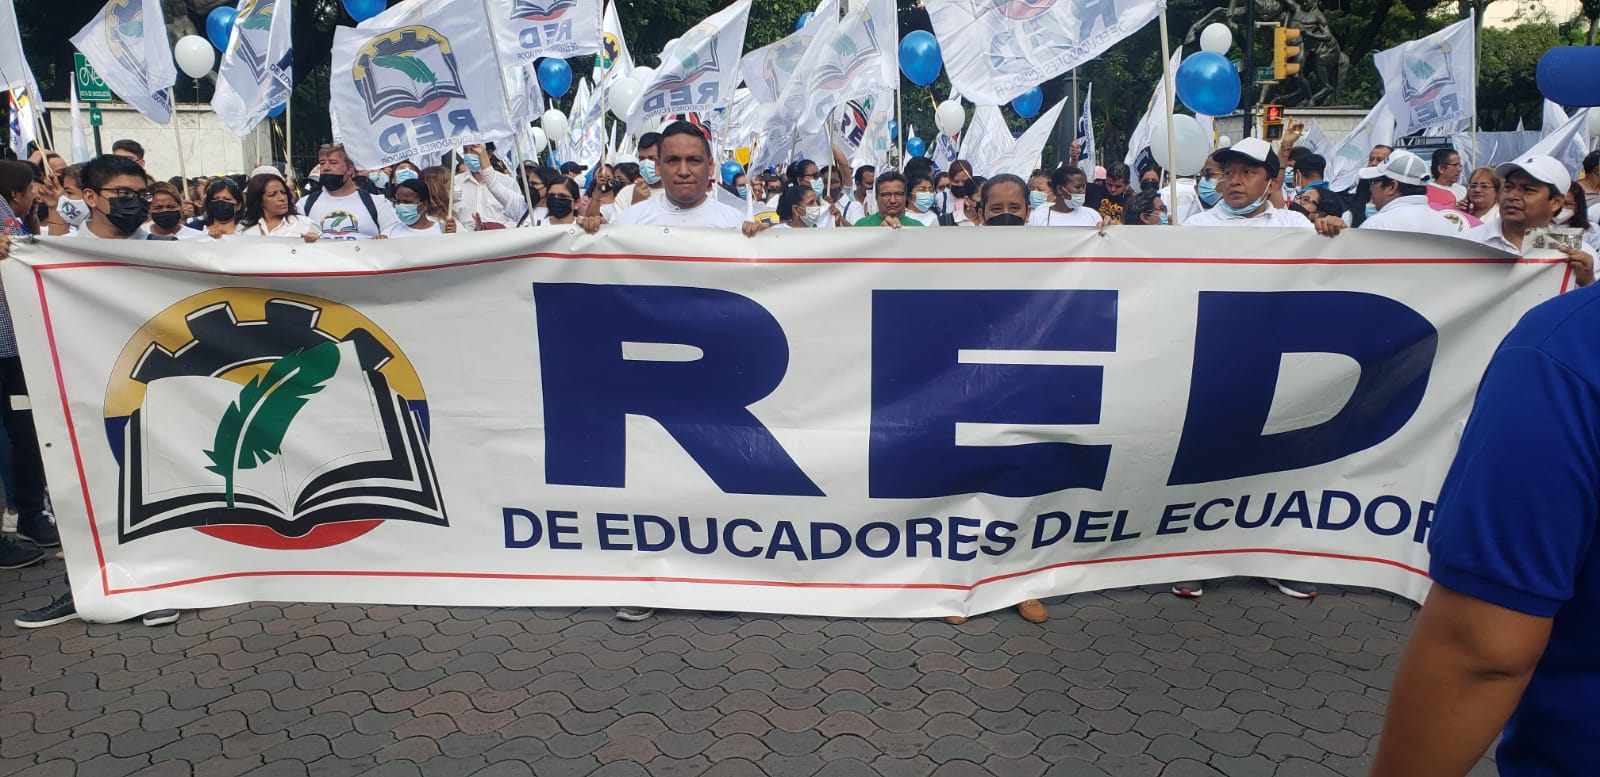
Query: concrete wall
pixel 1335 122
pixel 209 147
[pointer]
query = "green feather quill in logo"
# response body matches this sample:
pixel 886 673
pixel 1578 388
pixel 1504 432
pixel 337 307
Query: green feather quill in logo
pixel 414 68
pixel 252 429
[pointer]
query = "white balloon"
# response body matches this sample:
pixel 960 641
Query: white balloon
pixel 540 140
pixel 950 117
pixel 1224 142
pixel 1216 37
pixel 642 74
pixel 555 123
pixel 620 94
pixel 1191 147
pixel 194 55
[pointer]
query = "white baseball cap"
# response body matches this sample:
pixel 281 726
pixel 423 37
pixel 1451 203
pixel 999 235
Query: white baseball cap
pixel 265 170
pixel 1539 167
pixel 1253 149
pixel 1401 166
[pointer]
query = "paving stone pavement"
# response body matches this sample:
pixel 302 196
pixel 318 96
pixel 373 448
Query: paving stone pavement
pixel 1243 682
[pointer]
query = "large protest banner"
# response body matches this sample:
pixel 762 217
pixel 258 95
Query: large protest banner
pixel 841 422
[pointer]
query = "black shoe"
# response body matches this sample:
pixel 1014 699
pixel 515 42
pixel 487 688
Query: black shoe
pixel 160 617
pixel 39 529
pixel 61 610
pixel 14 556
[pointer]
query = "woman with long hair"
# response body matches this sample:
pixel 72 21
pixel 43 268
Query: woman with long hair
pixel 220 210
pixel 438 180
pixel 166 214
pixel 269 211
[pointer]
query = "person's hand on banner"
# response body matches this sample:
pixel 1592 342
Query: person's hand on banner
pixel 590 224
pixel 891 221
pixel 215 231
pixel 753 228
pixel 1582 266
pixel 1329 226
pixel 311 237
pixel 449 225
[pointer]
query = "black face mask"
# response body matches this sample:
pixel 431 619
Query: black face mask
pixel 1004 220
pixel 221 211
pixel 1300 209
pixel 363 183
pixel 167 219
pixel 127 214
pixel 963 189
pixel 1148 185
pixel 332 181
pixel 559 207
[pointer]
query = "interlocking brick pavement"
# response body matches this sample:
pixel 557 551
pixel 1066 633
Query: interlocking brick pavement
pixel 1243 682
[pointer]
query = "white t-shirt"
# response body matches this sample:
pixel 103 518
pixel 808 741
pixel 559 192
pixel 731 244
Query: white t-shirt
pixel 1077 217
pixel 291 226
pixel 186 232
pixel 660 211
pixel 1413 214
pixel 347 217
pixel 139 234
pixel 1188 201
pixel 403 230
pixel 1271 217
pixel 926 218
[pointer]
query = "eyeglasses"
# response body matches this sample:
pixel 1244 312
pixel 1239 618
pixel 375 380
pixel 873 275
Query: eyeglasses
pixel 123 192
pixel 1480 186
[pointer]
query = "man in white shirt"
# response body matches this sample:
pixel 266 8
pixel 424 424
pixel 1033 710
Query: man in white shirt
pixel 1400 192
pixel 685 167
pixel 861 202
pixel 1249 173
pixel 118 199
pixel 1534 189
pixel 1447 172
pixel 485 197
pixel 342 210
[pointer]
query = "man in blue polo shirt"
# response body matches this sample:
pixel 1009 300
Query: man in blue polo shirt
pixel 1510 634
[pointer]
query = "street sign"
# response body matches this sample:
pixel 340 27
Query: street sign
pixel 1265 74
pixel 95 119
pixel 90 87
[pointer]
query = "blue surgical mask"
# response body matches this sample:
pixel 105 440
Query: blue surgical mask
pixel 1207 189
pixel 1246 210
pixel 925 200
pixel 473 163
pixel 379 179
pixel 408 212
pixel 1372 210
pixel 647 170
pixel 405 174
pixel 816 186
pixel 1163 219
pixel 1038 199
pixel 744 192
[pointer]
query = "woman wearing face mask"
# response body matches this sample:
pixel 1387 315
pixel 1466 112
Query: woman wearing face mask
pixel 1483 194
pixel 71 213
pixel 405 171
pixel 798 207
pixel 381 182
pixel 1070 185
pixel 561 202
pixel 219 212
pixel 1318 201
pixel 411 206
pixel 1144 208
pixel 1039 191
pixel 1574 214
pixel 269 211
pixel 166 214
pixel 1205 188
pixel 919 205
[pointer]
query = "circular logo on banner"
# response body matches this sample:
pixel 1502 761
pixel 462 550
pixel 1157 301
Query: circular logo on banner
pixel 268 419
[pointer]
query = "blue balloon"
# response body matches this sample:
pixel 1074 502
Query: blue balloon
pixel 1208 84
pixel 1028 103
pixel 805 17
pixel 278 111
pixel 1566 75
pixel 916 147
pixel 894 129
pixel 730 170
pixel 362 10
pixel 920 59
pixel 555 76
pixel 219 25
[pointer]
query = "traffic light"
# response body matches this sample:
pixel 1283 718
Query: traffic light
pixel 1271 122
pixel 1285 52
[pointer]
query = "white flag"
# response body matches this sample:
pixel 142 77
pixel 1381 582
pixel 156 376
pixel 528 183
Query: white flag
pixel 126 42
pixel 987 143
pixel 257 70
pixel 769 70
pixel 14 70
pixel 1430 82
pixel 700 71
pixel 1556 122
pixel 613 54
pixel 1566 143
pixel 1350 155
pixel 857 58
pixel 995 50
pixel 1155 111
pixel 526 30
pixel 1029 148
pixel 400 79
pixel 22 121
pixel 1087 150
pixel 1316 140
pixel 875 141
pixel 946 150
pixel 80 133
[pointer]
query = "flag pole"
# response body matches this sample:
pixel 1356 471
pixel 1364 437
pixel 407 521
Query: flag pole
pixel 900 126
pixel 177 136
pixel 1172 142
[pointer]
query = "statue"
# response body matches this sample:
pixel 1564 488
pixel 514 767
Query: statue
pixel 1322 61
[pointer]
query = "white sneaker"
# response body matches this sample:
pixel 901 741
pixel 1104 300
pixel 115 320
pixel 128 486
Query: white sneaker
pixel 1293 588
pixel 634 614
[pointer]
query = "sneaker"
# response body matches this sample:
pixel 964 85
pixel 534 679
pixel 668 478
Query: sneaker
pixel 14 556
pixel 1188 589
pixel 955 620
pixel 634 614
pixel 1293 588
pixel 160 617
pixel 1033 611
pixel 61 610
pixel 39 529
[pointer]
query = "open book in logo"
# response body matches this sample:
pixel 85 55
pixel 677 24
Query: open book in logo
pixel 253 29
pixel 270 420
pixel 407 73
pixel 124 26
pixel 541 10
pixel 1425 70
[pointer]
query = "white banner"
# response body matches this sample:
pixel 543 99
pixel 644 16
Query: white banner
pixel 1430 81
pixel 525 30
pixel 1088 151
pixel 699 72
pixel 613 45
pixel 1376 128
pixel 1567 141
pixel 126 42
pixel 857 57
pixel 418 81
pixel 258 68
pixel 769 70
pixel 995 50
pixel 851 423
pixel 1154 111
pixel 14 70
